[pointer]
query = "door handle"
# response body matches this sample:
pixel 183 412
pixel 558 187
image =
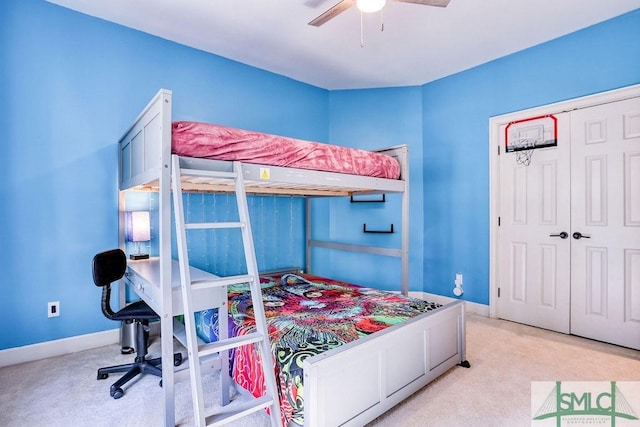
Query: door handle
pixel 562 235
pixel 577 235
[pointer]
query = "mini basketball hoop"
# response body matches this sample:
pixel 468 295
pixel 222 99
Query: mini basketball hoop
pixel 523 136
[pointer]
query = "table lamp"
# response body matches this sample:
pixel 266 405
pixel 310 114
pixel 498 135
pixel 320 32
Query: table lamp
pixel 137 229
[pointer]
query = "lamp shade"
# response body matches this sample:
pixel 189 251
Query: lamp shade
pixel 370 6
pixel 137 226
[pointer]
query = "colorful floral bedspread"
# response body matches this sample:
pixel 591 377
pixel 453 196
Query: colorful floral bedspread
pixel 307 315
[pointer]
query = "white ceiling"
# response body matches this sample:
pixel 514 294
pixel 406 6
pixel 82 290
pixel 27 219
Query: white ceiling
pixel 419 43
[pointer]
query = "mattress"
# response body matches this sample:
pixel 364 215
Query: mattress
pixel 307 315
pixel 211 141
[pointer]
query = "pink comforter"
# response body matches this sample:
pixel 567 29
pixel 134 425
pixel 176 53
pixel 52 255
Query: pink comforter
pixel 193 139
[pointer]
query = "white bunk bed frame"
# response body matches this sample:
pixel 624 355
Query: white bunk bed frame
pixel 381 375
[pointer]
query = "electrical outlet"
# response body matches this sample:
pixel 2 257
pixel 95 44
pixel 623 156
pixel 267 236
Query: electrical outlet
pixel 53 309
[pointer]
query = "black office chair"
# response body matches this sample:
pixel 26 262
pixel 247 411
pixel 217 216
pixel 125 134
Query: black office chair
pixel 109 267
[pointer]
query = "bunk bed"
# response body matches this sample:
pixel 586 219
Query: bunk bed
pixel 431 343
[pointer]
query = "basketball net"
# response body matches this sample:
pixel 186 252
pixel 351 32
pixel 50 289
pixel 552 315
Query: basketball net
pixel 523 147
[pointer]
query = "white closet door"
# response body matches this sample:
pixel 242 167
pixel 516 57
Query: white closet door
pixel 534 271
pixel 605 211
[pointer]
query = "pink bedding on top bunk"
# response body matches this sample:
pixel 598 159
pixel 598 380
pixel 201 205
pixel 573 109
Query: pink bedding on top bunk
pixel 204 140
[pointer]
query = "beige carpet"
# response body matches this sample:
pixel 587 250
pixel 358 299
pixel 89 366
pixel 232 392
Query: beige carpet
pixel 505 357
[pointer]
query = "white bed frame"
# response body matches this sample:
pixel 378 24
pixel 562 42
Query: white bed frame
pixel 381 369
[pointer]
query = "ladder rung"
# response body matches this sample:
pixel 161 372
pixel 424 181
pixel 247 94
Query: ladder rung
pixel 221 281
pixel 208 173
pixel 229 343
pixel 232 412
pixel 203 225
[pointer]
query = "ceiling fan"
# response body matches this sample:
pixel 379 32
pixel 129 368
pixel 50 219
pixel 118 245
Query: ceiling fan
pixel 368 6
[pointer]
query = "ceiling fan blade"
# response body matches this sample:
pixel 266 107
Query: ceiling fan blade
pixel 438 3
pixel 332 13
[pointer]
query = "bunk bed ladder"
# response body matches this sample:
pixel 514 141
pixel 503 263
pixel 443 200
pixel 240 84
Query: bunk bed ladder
pixel 260 337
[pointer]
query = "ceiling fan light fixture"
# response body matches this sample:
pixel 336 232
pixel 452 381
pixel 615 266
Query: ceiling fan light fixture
pixel 370 6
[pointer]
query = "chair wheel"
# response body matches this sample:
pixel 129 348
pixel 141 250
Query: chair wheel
pixel 117 393
pixel 103 376
pixel 160 383
pixel 177 359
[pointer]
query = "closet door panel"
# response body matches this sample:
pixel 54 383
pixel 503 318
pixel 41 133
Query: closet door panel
pixel 605 222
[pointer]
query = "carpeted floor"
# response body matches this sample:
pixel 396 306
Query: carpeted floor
pixel 505 358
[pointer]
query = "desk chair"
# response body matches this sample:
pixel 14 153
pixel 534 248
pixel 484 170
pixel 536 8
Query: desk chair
pixel 109 267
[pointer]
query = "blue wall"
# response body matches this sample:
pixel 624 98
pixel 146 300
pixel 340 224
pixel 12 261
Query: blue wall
pixel 370 119
pixel 71 85
pixel 456 112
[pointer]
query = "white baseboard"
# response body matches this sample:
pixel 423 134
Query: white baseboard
pixel 29 353
pixel 470 307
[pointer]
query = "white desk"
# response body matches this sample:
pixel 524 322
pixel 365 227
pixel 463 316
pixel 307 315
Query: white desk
pixel 144 277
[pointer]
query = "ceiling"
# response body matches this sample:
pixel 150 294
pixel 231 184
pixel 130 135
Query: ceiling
pixel 419 43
